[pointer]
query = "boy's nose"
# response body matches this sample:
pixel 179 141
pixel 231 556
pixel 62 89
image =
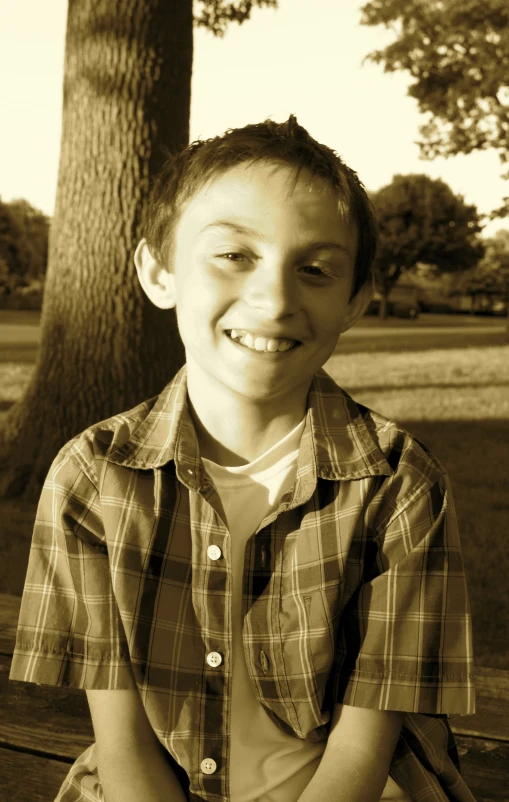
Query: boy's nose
pixel 272 291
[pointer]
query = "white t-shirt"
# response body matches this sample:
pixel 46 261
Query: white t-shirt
pixel 267 764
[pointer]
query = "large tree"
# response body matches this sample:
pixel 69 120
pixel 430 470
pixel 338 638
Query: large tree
pixel 457 52
pixel 104 347
pixel 421 220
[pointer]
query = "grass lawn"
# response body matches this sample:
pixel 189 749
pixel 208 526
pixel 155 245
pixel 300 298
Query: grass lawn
pixel 446 380
pixel 456 401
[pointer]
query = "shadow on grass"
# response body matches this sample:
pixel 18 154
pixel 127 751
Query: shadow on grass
pixel 476 454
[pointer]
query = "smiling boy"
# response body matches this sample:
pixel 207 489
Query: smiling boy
pixel 258 582
pixel 261 281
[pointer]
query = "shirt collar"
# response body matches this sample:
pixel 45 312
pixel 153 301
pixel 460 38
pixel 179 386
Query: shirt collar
pixel 343 433
pixel 339 436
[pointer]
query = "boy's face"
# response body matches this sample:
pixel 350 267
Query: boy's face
pixel 261 278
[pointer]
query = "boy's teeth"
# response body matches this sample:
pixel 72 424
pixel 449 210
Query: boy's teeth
pixel 261 343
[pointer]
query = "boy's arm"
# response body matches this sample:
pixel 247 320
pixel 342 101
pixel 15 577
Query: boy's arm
pixel 132 764
pixel 355 764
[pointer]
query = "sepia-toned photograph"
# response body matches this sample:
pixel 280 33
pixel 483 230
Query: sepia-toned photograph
pixel 254 401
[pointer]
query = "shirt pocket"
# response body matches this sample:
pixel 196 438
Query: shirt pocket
pixel 320 631
pixel 306 646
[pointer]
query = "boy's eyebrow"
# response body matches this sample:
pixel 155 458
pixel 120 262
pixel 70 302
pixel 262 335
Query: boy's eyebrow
pixel 238 228
pixel 326 246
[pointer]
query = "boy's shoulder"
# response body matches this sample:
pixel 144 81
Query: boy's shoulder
pixel 142 436
pixel 104 438
pixel 405 453
pixel 388 444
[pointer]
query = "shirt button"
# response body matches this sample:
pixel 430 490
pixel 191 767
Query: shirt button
pixel 214 552
pixel 214 659
pixel 208 766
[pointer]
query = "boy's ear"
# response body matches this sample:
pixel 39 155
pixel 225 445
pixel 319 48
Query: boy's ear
pixel 358 304
pixel 157 281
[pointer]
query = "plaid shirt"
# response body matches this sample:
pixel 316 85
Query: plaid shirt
pixel 354 589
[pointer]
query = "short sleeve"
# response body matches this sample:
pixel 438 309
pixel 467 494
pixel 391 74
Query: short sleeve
pixel 406 638
pixel 69 629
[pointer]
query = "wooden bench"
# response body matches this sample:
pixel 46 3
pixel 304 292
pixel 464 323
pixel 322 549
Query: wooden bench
pixel 43 729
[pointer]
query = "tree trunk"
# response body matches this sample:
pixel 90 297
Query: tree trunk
pixel 507 315
pixel 104 347
pixel 383 312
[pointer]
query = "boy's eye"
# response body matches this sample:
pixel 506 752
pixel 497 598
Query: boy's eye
pixel 232 256
pixel 316 270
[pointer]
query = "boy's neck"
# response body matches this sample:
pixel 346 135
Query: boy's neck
pixel 233 430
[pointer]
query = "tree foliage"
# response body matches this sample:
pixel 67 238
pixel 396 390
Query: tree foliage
pixel 457 52
pixel 24 232
pixel 421 220
pixel 491 274
pixel 216 15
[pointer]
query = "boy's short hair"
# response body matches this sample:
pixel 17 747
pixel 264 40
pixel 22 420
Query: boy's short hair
pixel 185 173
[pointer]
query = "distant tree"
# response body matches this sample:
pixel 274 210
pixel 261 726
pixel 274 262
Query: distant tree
pixel 495 263
pixel 421 220
pixel 34 226
pixel 458 53
pixel 491 274
pixel 23 242
pixel 5 276
pixel 12 250
pixel 104 347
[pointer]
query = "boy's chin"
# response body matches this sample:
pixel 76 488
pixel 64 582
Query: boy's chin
pixel 262 383
pixel 257 389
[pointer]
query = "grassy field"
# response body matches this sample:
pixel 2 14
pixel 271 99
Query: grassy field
pixel 447 381
pixel 456 401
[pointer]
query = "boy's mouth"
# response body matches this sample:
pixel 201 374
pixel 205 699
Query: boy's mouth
pixel 255 342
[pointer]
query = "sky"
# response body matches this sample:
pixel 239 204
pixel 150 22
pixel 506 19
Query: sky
pixel 283 61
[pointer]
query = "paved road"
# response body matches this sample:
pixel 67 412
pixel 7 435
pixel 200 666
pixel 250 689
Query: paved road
pixel 19 335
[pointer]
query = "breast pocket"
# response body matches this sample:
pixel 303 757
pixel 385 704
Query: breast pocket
pixel 306 646
pixel 320 639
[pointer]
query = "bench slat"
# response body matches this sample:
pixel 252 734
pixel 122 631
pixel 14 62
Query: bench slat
pixel 9 614
pixel 55 721
pixel 492 705
pixel 485 767
pixel 27 777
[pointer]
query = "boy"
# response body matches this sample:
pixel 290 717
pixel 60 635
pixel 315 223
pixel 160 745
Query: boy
pixel 257 581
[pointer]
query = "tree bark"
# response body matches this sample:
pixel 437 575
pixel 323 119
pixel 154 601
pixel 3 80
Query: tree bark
pixel 383 312
pixel 104 347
